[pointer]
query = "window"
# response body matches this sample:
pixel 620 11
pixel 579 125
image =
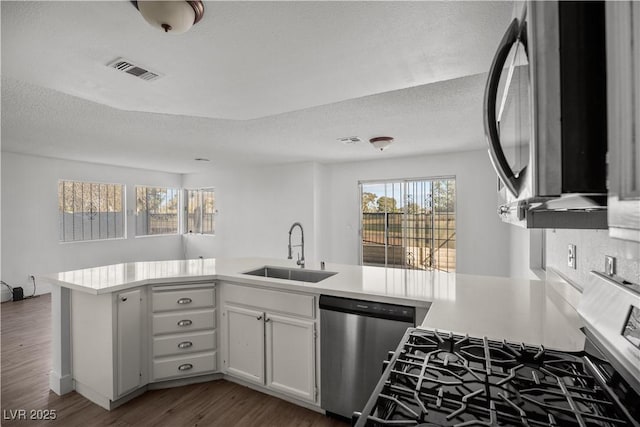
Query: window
pixel 90 211
pixel 200 209
pixel 409 224
pixel 156 211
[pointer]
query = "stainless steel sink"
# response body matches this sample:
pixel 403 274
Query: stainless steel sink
pixel 312 276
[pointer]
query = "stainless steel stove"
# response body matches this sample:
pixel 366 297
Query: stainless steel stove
pixel 439 378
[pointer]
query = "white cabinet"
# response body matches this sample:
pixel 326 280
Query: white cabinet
pixel 108 344
pixel 269 339
pixel 130 341
pixel 183 329
pixel 245 343
pixel 623 103
pixel 290 355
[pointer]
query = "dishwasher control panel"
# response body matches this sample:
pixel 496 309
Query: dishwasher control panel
pixel 368 308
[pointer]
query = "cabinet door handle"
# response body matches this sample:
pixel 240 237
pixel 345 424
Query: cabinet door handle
pixel 184 301
pixel 185 367
pixel 186 322
pixel 123 299
pixel 185 344
pixel 259 318
pixel 267 319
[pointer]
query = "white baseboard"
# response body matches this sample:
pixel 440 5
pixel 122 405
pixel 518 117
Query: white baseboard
pixel 60 385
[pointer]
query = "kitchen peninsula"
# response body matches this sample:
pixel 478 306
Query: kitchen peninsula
pixel 121 329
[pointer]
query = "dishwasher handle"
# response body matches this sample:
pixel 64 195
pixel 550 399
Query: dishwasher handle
pixel 379 310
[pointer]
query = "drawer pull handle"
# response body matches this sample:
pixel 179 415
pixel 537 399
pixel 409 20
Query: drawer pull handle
pixel 185 344
pixel 185 367
pixel 184 301
pixel 185 322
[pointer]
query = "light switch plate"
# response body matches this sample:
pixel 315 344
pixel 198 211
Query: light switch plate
pixel 571 256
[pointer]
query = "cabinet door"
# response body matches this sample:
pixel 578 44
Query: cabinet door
pixel 244 337
pixel 291 356
pixel 129 341
pixel 623 100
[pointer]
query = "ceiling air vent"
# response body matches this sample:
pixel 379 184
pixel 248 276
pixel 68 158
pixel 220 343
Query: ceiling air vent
pixel 349 140
pixel 129 67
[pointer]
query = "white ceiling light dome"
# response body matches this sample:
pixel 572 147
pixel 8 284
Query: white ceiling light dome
pixel 175 17
pixel 381 142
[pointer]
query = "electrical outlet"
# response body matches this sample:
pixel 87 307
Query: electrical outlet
pixel 609 265
pixel 571 256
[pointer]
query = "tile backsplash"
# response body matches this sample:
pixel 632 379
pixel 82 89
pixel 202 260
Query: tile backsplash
pixel 591 248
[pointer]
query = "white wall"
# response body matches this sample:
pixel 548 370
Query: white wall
pixel 30 230
pixel 482 239
pixel 591 248
pixel 256 207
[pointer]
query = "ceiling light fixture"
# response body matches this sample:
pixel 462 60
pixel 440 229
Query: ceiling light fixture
pixel 176 17
pixel 381 142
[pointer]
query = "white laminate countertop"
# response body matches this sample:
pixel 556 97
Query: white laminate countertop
pixel 519 310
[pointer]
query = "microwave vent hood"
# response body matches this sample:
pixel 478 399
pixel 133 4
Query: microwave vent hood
pixel 548 145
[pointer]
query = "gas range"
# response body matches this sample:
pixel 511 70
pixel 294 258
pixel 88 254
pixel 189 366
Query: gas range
pixel 437 378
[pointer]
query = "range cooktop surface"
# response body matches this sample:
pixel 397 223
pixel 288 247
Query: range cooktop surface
pixel 442 379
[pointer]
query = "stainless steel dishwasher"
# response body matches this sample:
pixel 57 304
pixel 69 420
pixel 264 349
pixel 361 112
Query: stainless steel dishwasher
pixel 355 339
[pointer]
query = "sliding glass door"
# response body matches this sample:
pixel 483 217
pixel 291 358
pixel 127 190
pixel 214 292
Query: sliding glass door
pixel 409 223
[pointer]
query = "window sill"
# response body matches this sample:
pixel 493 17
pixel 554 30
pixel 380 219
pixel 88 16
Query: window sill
pixel 144 236
pixel 91 241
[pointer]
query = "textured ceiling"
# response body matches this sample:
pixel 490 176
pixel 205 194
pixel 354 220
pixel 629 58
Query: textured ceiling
pixel 431 118
pixel 259 82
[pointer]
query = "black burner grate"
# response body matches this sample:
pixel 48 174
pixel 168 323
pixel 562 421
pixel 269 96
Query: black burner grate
pixel 451 380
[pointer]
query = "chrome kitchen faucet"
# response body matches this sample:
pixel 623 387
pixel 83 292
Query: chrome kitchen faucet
pixel 300 261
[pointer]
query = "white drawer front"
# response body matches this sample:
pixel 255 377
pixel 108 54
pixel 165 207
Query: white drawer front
pixel 184 366
pixel 183 299
pixel 184 321
pixel 184 343
pixel 283 302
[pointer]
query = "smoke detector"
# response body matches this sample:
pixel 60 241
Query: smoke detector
pixel 126 66
pixel 381 142
pixel 349 140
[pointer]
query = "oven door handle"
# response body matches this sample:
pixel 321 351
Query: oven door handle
pixel 496 153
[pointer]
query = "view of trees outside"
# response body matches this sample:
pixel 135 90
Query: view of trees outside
pixel 156 210
pixel 90 211
pixel 200 211
pixel 409 223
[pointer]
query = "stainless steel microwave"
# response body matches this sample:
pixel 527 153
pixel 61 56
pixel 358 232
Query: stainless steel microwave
pixel 545 116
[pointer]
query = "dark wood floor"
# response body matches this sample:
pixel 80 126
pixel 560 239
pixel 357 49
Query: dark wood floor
pixel 26 361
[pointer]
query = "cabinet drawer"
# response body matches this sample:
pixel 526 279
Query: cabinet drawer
pixel 184 321
pixel 184 343
pixel 183 299
pixel 184 366
pixel 268 300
